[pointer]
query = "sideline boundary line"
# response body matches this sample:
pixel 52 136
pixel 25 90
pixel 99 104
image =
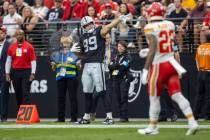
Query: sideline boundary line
pixel 18 126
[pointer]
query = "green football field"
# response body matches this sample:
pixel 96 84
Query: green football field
pixel 96 131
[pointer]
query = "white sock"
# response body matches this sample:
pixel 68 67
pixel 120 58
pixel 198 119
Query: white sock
pixel 154 111
pixel 86 116
pixel 109 115
pixel 184 105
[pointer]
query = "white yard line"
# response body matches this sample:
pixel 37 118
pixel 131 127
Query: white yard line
pixel 93 126
pixel 100 119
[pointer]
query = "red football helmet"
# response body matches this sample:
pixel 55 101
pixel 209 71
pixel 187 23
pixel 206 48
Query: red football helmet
pixel 156 11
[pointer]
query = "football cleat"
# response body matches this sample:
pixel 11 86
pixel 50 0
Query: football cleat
pixel 174 118
pixel 148 131
pixel 108 121
pixel 83 121
pixel 192 129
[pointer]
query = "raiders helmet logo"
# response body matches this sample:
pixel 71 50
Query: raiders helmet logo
pixel 135 85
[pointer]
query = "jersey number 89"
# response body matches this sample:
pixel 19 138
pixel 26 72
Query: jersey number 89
pixel 90 44
pixel 166 41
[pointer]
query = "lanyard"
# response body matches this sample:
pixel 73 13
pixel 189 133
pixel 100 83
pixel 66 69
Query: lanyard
pixel 109 54
pixel 62 58
pixel 121 59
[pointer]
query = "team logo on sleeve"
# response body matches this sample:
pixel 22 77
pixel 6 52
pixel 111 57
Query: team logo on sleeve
pixel 135 86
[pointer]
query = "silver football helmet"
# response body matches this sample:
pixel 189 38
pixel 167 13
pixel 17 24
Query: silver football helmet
pixel 85 21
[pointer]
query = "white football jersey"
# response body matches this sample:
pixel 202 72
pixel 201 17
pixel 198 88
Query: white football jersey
pixel 164 31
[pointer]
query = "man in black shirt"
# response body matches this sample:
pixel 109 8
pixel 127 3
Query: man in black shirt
pixel 177 16
pixel 108 14
pixel 19 6
pixel 55 14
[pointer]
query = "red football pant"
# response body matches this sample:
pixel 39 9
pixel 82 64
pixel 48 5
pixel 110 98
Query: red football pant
pixel 161 75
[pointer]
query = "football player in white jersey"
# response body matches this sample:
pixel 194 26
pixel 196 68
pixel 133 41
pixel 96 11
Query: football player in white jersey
pixel 161 69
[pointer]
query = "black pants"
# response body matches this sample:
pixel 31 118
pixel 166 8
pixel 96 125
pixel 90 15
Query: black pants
pixel 22 85
pixel 71 85
pixel 108 96
pixel 203 94
pixel 4 98
pixel 120 88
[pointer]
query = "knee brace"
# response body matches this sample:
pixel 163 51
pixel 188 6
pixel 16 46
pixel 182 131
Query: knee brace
pixel 183 103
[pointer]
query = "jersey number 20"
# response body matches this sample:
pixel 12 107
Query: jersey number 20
pixel 166 41
pixel 90 44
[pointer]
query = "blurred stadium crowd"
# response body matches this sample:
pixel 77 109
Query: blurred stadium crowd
pixel 36 17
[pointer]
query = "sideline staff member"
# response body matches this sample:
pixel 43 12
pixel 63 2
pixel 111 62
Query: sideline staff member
pixel 4 85
pixel 66 65
pixel 203 79
pixel 119 69
pixel 22 58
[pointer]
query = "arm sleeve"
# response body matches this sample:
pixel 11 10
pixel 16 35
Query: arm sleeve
pixel 8 64
pixel 33 67
pixel 32 54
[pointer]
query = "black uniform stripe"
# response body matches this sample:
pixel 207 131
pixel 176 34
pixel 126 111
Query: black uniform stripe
pixel 103 77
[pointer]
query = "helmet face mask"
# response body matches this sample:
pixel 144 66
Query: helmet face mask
pixel 87 24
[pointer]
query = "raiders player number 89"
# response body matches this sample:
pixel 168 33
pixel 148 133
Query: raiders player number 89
pixel 92 46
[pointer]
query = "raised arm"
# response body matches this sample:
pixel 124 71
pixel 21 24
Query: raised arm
pixel 107 28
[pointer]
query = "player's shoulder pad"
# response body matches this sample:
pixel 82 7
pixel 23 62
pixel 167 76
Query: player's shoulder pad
pixel 170 23
pixel 149 28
